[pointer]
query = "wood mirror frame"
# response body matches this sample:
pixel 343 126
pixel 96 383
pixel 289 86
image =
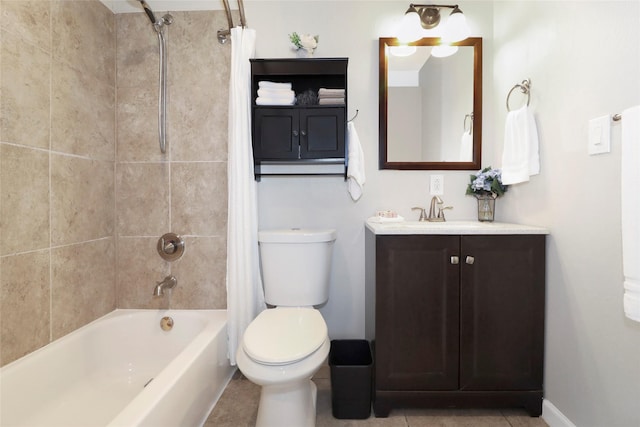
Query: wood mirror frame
pixel 476 43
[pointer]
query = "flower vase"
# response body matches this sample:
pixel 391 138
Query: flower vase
pixel 486 207
pixel 304 53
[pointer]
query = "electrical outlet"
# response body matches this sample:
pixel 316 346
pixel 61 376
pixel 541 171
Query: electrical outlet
pixel 436 186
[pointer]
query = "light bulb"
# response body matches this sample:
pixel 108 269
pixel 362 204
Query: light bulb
pixel 456 28
pixel 410 28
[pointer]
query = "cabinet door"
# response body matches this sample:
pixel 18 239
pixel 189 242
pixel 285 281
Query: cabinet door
pixel 417 318
pixel 276 134
pixel 502 312
pixel 322 133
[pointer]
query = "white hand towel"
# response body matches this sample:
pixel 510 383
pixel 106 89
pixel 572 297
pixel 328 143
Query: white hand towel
pixel 273 85
pixel 520 158
pixel 275 101
pixel 276 93
pixel 466 147
pixel 630 208
pixel 355 168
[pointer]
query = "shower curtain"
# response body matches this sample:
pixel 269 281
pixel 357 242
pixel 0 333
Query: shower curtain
pixel 245 297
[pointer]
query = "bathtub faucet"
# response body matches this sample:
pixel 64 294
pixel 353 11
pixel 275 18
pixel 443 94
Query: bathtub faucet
pixel 169 282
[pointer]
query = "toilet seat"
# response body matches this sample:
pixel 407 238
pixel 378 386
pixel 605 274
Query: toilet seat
pixel 284 335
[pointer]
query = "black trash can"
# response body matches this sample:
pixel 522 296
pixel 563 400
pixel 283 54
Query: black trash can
pixel 351 367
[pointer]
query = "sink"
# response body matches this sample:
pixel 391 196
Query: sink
pixel 452 227
pixel 425 225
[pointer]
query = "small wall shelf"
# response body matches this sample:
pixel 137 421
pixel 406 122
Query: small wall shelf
pixel 300 139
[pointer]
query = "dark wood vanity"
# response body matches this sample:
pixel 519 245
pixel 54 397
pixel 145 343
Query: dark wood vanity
pixel 456 320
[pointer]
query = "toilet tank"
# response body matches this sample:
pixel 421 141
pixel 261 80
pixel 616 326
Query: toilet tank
pixel 296 264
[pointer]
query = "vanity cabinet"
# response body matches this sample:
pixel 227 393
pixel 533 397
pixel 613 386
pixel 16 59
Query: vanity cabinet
pixel 295 135
pixel 456 320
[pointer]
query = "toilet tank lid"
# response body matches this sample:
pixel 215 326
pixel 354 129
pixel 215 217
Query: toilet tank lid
pixel 297 235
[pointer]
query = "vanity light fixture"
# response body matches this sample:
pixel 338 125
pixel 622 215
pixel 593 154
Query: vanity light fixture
pixel 421 17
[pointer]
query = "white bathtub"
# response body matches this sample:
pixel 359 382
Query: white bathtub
pixel 96 375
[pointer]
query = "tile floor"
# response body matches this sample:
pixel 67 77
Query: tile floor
pixel 238 407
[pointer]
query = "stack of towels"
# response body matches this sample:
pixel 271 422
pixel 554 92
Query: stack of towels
pixel 330 96
pixel 272 93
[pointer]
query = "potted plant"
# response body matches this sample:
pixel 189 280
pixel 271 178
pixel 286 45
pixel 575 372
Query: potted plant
pixel 486 186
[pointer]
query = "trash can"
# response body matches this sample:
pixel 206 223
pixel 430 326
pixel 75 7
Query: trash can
pixel 351 368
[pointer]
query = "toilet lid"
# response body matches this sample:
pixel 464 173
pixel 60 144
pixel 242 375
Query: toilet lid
pixel 284 335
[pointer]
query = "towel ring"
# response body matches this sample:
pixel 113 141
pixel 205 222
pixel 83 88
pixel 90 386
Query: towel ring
pixel 525 87
pixel 464 125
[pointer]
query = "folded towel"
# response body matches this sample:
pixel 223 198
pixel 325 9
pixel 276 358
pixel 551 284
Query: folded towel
pixel 276 93
pixel 331 101
pixel 355 165
pixel 275 101
pixel 466 147
pixel 630 210
pixel 330 92
pixel 274 85
pixel 520 158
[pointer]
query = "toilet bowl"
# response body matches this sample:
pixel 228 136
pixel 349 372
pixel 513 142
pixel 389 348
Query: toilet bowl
pixel 281 350
pixel 284 346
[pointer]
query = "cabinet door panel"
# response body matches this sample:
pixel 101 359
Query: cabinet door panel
pixel 417 317
pixel 322 133
pixel 502 313
pixel 276 134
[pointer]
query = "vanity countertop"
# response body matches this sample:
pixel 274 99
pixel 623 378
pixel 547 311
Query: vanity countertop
pixel 452 227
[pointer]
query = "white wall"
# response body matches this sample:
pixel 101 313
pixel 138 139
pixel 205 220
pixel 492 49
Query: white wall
pixel 350 29
pixel 584 61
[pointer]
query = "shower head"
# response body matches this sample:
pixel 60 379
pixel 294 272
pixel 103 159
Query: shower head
pixel 148 11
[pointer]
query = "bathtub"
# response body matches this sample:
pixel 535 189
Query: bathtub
pixel 122 370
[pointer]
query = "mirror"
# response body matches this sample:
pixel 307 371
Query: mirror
pixel 430 107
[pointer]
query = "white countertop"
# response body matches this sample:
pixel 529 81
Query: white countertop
pixel 452 227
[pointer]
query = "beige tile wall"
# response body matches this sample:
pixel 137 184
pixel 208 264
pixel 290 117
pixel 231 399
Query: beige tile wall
pixel 57 170
pixel 84 190
pixel 185 190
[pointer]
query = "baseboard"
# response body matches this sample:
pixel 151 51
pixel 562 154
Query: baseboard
pixel 552 416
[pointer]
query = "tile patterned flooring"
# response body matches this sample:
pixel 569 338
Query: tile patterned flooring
pixel 238 407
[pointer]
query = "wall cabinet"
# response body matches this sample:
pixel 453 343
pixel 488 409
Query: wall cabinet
pixel 456 320
pixel 297 134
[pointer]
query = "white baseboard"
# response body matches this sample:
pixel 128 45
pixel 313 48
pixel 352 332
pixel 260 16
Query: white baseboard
pixel 552 416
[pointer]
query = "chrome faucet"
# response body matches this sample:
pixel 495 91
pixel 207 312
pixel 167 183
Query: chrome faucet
pixel 169 282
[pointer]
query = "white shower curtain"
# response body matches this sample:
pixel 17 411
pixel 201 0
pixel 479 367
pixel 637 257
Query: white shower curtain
pixel 245 297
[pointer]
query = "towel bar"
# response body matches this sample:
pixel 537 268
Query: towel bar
pixel 525 87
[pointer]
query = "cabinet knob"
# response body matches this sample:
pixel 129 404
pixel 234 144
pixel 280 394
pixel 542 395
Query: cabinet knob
pixel 455 260
pixel 470 260
pixel 295 133
pixel 304 133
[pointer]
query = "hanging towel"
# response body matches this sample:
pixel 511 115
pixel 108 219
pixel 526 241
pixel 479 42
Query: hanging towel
pixel 466 147
pixel 520 158
pixel 630 208
pixel 355 168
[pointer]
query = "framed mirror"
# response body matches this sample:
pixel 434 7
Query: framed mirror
pixel 430 107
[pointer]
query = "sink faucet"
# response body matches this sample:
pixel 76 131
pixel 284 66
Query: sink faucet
pixel 436 211
pixel 169 282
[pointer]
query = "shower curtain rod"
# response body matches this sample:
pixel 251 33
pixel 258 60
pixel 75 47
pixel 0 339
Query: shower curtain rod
pixel 223 35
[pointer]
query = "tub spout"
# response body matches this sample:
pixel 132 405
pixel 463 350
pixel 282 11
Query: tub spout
pixel 169 282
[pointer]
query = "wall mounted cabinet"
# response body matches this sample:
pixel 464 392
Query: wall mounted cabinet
pixel 299 135
pixel 456 320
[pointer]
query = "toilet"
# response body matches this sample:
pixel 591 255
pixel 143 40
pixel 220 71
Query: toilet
pixel 284 346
